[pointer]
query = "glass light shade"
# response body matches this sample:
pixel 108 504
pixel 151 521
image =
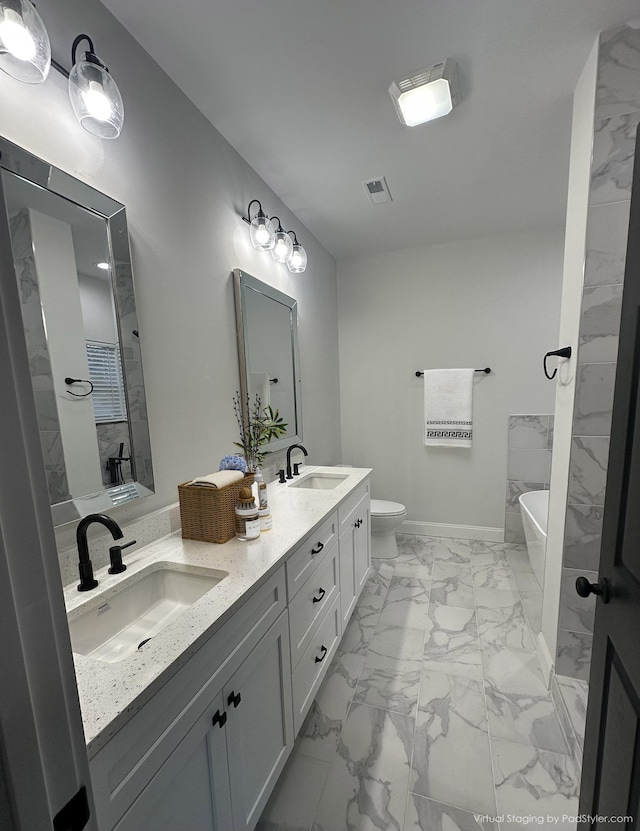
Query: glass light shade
pixel 96 100
pixel 283 248
pixel 262 236
pixel 25 51
pixel 425 103
pixel 298 261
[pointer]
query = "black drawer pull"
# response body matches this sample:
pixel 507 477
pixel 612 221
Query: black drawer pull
pixel 358 523
pixel 324 651
pixel 234 698
pixel 321 593
pixel 318 549
pixel 220 719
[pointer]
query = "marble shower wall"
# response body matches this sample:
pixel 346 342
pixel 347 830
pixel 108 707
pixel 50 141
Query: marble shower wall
pixel 38 353
pixel 530 439
pixel 617 115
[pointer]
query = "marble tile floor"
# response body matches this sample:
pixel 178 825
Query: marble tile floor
pixel 434 714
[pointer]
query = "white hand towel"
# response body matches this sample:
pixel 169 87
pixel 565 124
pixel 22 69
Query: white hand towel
pixel 448 407
pixel 220 479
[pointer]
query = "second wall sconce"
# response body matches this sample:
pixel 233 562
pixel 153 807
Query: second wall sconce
pixel 25 54
pixel 264 238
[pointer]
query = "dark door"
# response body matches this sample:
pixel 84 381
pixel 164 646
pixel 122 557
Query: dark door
pixel 611 769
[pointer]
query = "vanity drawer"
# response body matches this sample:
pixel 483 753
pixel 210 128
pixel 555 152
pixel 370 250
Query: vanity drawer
pixel 304 559
pixel 312 668
pixel 347 508
pixel 312 601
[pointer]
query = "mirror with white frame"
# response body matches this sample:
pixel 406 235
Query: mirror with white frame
pixel 267 330
pixel 70 250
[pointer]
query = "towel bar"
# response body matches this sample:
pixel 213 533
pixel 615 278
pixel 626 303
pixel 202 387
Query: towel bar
pixel 487 370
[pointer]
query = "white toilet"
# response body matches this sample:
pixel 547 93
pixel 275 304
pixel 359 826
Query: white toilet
pixel 386 518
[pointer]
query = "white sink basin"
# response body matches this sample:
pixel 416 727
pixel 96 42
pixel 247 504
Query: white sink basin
pixel 138 609
pixel 320 481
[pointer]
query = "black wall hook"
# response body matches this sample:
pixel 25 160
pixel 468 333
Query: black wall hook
pixel 565 352
pixel 68 381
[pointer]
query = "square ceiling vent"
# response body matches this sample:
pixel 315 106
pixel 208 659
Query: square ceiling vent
pixel 377 191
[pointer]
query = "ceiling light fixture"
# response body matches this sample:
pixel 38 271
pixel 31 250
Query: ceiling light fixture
pixel 426 95
pixel 298 260
pixel 25 51
pixel 94 95
pixel 103 266
pixel 262 236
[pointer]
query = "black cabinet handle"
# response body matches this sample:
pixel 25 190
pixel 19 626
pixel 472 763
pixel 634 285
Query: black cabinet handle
pixel 358 523
pixel 324 651
pixel 318 549
pixel 322 594
pixel 220 719
pixel 234 698
pixel 585 588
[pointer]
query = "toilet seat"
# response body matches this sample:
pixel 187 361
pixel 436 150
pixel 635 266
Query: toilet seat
pixel 381 507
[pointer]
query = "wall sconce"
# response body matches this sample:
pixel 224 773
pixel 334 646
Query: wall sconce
pixel 298 260
pixel 25 51
pixel 262 236
pixel 278 242
pixel 426 95
pixel 94 95
pixel 25 54
pixel 283 249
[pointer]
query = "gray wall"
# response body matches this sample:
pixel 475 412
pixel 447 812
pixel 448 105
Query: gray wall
pixel 185 189
pixel 482 302
pixel 617 113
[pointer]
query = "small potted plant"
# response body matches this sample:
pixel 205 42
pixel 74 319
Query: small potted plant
pixel 257 425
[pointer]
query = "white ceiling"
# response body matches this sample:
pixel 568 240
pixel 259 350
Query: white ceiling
pixel 299 88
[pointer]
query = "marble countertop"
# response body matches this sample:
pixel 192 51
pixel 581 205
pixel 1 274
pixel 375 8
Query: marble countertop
pixel 110 693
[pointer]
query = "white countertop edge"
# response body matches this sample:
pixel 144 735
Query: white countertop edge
pixel 110 694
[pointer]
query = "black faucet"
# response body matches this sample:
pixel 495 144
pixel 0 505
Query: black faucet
pixel 289 449
pixel 87 580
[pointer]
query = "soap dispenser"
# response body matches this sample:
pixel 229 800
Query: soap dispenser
pixel 247 517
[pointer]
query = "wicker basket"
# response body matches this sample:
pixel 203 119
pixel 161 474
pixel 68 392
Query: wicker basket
pixel 207 514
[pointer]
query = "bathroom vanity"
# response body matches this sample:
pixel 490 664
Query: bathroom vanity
pixel 192 729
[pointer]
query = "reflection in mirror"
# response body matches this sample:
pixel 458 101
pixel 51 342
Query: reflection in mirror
pixel 267 328
pixel 73 270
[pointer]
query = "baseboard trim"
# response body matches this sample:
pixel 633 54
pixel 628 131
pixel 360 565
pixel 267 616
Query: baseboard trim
pixel 546 661
pixel 463 532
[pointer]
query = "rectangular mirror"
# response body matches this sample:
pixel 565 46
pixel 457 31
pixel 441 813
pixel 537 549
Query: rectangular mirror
pixel 72 261
pixel 267 330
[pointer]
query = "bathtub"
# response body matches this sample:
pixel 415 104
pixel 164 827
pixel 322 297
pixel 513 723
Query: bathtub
pixel 534 507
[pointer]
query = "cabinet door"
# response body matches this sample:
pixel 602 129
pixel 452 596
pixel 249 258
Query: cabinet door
pixel 259 730
pixel 348 595
pixel 190 792
pixel 362 545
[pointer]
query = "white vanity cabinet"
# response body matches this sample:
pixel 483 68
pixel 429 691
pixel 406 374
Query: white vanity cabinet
pixel 203 753
pixel 207 762
pixel 354 522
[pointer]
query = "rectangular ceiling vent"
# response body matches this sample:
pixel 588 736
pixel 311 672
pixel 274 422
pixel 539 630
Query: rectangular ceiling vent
pixel 377 191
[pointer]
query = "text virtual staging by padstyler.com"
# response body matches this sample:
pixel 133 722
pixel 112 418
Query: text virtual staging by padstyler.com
pixel 549 820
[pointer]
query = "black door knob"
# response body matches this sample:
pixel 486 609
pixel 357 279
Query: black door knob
pixel 585 588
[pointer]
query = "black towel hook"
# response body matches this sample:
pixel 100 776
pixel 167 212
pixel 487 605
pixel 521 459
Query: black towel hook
pixel 68 381
pixel 565 352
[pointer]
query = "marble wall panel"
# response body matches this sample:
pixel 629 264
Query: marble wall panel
pixel 618 89
pixel 600 324
pixel 573 657
pixel 582 536
pixel 607 230
pixel 612 165
pixel 594 399
pixel 529 442
pixel 588 470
